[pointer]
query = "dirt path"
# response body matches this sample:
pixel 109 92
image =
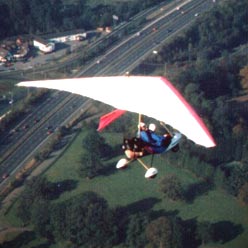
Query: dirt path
pixel 13 230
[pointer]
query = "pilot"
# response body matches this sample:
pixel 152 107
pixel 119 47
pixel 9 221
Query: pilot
pixel 155 143
pixel 148 142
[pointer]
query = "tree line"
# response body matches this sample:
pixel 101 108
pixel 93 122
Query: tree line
pixel 87 221
pixel 43 17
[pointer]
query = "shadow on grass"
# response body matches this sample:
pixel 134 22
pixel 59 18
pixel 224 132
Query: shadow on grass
pixel 189 234
pixel 58 188
pixel 156 214
pixel 220 232
pixel 141 206
pixel 108 169
pixel 21 240
pixel 117 150
pixel 225 231
pixel 44 245
pixel 111 152
pixel 197 189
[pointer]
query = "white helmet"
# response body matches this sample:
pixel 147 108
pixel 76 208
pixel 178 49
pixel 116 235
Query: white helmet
pixel 152 127
pixel 141 124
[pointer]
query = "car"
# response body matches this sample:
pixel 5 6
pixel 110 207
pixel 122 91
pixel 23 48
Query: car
pixel 49 127
pixel 49 132
pixel 5 175
pixel 25 127
pixel 14 130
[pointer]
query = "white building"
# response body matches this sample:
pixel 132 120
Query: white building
pixel 69 37
pixel 43 45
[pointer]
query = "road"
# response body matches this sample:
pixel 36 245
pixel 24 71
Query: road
pixel 16 147
pixel 36 128
pixel 127 55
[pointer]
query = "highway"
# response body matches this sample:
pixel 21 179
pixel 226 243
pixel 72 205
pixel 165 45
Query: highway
pixel 36 128
pixel 130 52
pixel 54 110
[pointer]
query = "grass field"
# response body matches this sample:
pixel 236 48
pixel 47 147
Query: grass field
pixel 130 188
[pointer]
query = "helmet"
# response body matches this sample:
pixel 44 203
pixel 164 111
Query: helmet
pixel 141 124
pixel 152 127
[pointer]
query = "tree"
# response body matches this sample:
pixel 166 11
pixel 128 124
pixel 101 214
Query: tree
pixel 41 16
pixel 38 188
pixel 84 221
pixel 236 175
pixel 243 194
pixel 90 164
pixel 95 148
pixel 171 187
pixel 244 74
pixel 20 15
pixel 164 233
pixel 5 20
pixel 95 144
pixel 59 222
pixel 40 218
pixel 136 231
pixel 204 232
pixel 56 13
pixel 91 222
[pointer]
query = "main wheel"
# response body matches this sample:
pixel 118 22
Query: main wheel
pixel 151 173
pixel 122 163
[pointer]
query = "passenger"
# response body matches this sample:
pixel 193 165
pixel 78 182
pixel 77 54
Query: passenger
pixel 156 143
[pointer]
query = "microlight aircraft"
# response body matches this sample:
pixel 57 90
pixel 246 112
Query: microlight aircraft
pixel 151 96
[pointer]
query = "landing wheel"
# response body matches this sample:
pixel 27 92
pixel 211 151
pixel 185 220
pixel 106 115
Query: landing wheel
pixel 151 173
pixel 175 148
pixel 122 163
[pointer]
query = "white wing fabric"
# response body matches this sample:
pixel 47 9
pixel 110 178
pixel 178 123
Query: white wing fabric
pixel 151 96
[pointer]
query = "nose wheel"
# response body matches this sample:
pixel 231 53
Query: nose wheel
pixel 150 172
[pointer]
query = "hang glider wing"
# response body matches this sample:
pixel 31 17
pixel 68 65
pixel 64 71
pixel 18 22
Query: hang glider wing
pixel 155 97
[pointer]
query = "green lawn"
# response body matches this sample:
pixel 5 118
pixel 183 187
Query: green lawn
pixel 126 187
pixel 122 187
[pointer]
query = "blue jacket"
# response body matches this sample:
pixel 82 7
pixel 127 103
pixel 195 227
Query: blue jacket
pixel 154 141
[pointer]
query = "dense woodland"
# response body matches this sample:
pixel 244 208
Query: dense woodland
pixel 208 64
